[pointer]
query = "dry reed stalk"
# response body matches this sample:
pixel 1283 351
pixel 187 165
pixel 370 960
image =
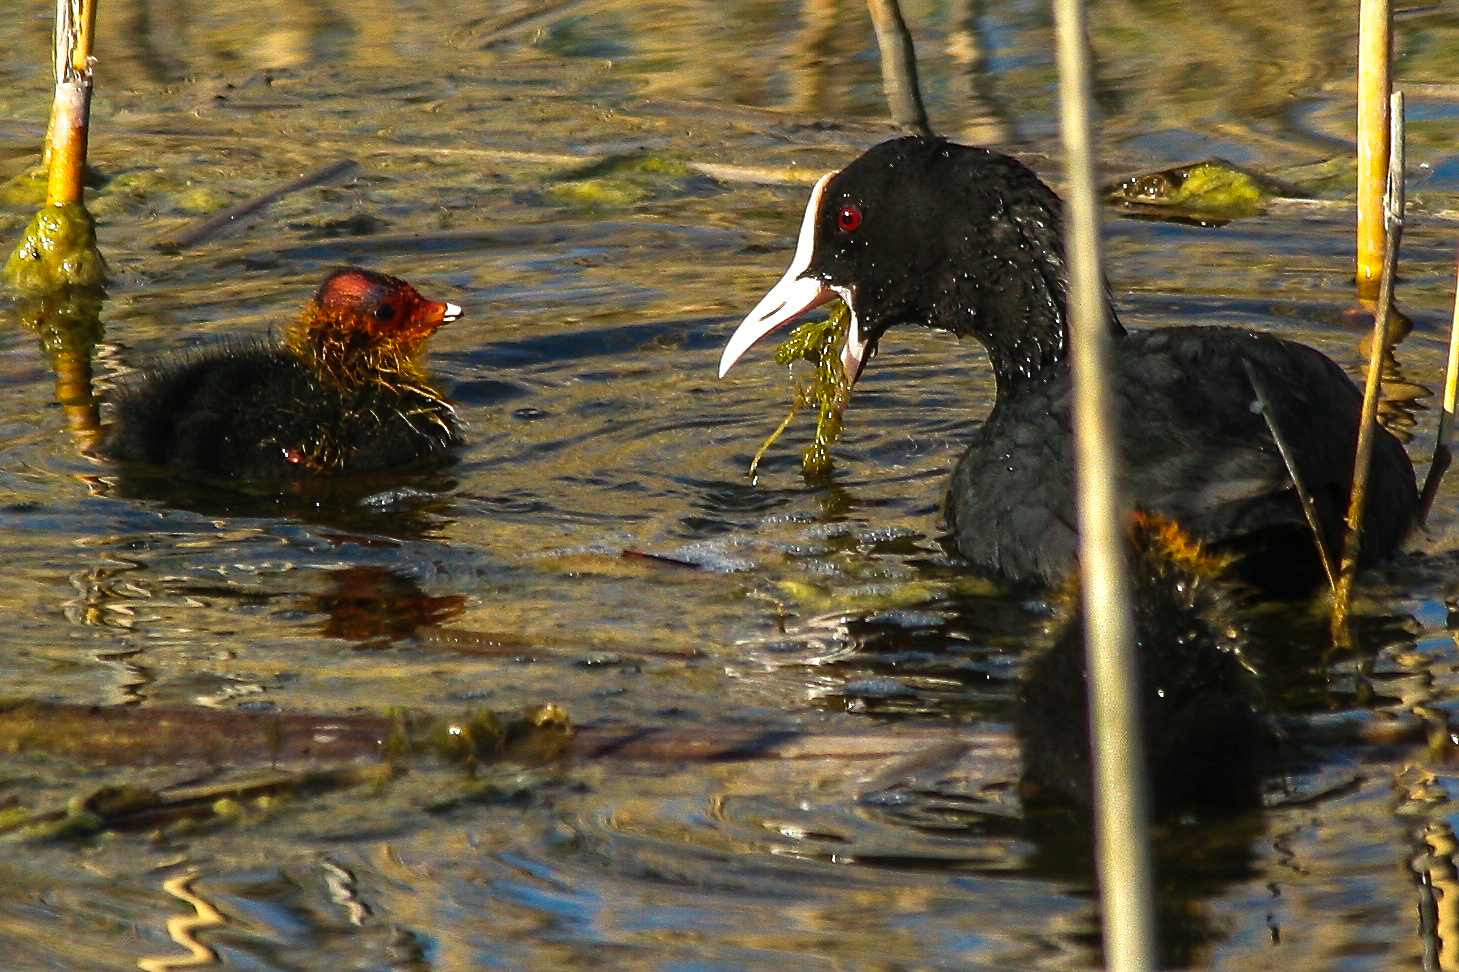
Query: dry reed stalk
pixel 66 136
pixel 1121 806
pixel 1375 52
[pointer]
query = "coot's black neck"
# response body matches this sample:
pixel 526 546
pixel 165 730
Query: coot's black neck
pixel 1022 349
pixel 1013 296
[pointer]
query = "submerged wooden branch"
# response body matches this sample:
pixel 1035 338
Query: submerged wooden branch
pixel 137 736
pixel 215 226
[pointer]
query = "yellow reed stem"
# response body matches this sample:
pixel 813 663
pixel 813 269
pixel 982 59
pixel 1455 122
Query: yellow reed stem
pixel 66 138
pixel 1375 50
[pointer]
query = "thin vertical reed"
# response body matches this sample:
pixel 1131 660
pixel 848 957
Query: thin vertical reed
pixel 899 67
pixel 1121 805
pixel 1375 52
pixel 66 138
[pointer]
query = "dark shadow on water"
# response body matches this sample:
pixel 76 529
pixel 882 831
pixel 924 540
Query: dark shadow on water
pixel 402 505
pixel 1194 865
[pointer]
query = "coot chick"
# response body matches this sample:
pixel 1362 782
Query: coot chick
pixel 341 394
pixel 921 230
pixel 1207 739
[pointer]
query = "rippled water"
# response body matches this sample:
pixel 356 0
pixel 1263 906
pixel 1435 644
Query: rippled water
pixel 596 303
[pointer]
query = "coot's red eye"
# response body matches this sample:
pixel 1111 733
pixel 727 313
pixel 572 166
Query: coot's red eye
pixel 848 218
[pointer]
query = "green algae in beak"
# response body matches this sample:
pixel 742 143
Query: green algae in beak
pixel 818 342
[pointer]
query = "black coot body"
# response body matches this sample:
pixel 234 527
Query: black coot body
pixel 1196 446
pixel 341 395
pixel 921 230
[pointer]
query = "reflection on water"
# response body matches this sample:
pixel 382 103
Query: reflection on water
pixel 608 187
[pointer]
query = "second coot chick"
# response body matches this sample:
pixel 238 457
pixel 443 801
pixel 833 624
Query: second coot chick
pixel 342 394
pixel 1206 738
pixel 921 230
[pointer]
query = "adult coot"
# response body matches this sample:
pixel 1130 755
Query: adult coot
pixel 341 394
pixel 921 230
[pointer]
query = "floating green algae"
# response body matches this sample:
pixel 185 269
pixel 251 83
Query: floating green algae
pixel 1210 192
pixel 540 733
pixel 625 179
pixel 820 343
pixel 58 250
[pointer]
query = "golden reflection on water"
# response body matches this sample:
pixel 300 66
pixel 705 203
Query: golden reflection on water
pixel 183 929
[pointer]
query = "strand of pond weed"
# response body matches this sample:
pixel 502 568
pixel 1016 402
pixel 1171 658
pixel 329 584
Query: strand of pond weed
pixel 829 389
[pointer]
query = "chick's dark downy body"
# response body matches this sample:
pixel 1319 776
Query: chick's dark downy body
pixel 342 395
pixel 1207 741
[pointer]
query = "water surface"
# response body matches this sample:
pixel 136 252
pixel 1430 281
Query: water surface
pixel 597 299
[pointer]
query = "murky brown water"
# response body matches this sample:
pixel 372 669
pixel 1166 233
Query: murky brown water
pixel 596 305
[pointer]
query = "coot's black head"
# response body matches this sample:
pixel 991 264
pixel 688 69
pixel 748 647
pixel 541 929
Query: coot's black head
pixel 921 230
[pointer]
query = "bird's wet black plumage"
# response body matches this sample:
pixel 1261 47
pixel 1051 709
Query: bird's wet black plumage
pixel 924 231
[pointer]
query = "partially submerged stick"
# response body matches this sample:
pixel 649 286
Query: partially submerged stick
pixel 1304 495
pixel 215 226
pixel 132 736
pixel 1368 424
pixel 274 755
